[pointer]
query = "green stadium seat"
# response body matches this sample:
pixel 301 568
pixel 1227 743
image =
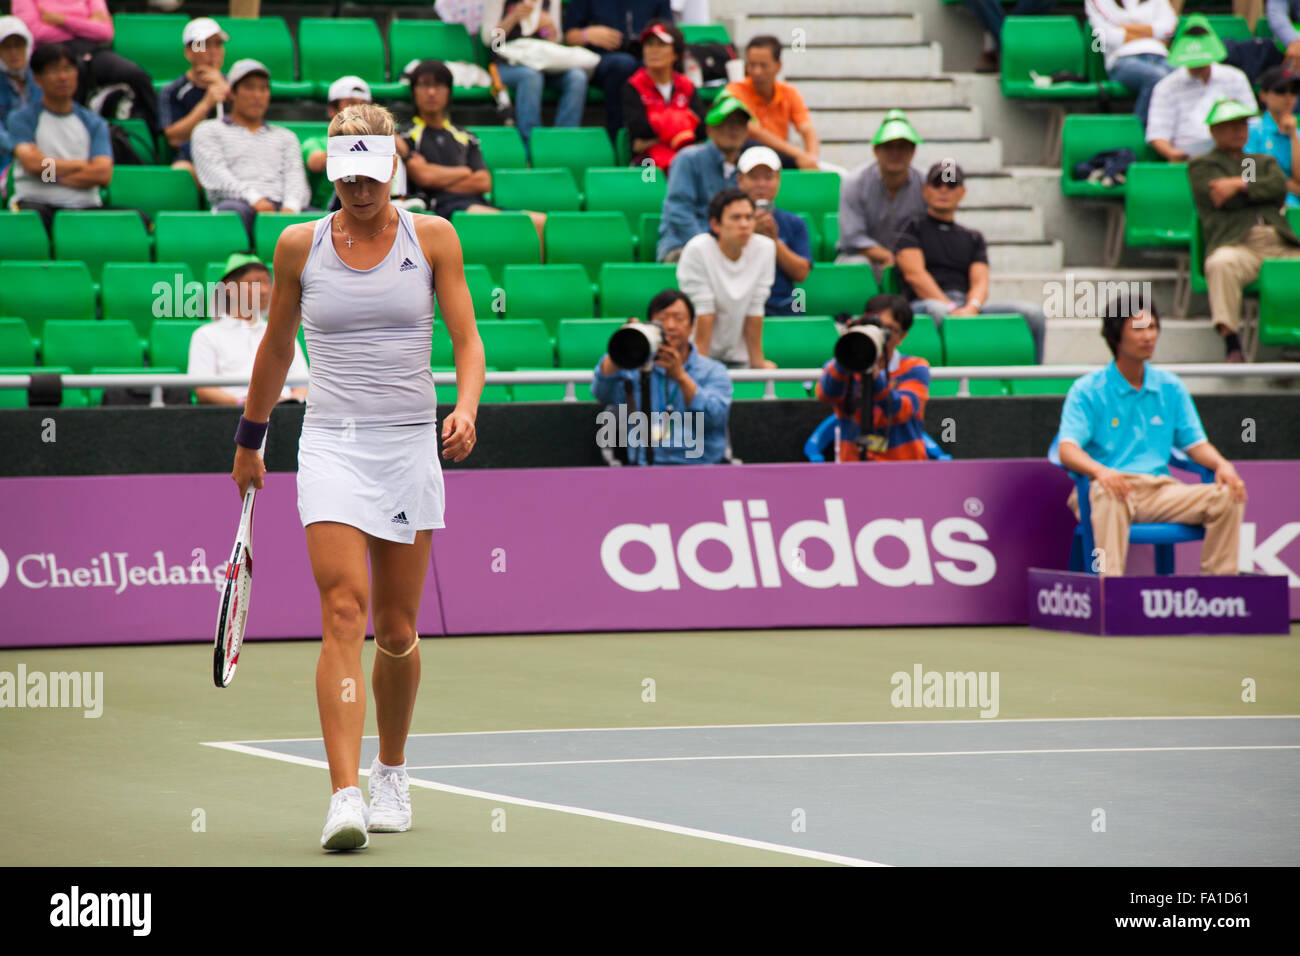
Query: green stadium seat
pixel 1158 205
pixel 23 235
pixel 571 148
pixel 923 340
pixel 1085 135
pixel 1279 302
pixel 629 190
pixel 267 40
pixel 305 129
pixel 99 236
pixel 16 345
pixel 434 40
pixel 483 292
pixel 626 288
pixel 947 387
pixel 622 148
pixel 830 236
pixel 510 343
pixel 169 342
pixel 1045 45
pixel 82 344
pixel 1227 26
pixel 814 233
pixel 268 226
pixel 142 140
pixel 647 236
pixel 330 47
pixel 197 238
pixel 127 293
pixel 581 342
pixel 501 147
pixel 987 340
pixel 757 390
pixel 442 355
pixel 152 189
pixel 549 293
pixel 1040 386
pixel 36 291
pixel 541 190
pixel 17 397
pixel 588 239
pixel 804 342
pixel 814 191
pixel 497 239
pixel 705 33
pixel 448 394
pixel 831 288
pixel 153 42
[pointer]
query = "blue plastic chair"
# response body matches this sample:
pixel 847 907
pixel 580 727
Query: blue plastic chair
pixel 823 435
pixel 1163 535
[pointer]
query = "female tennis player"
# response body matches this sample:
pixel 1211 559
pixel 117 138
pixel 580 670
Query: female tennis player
pixel 362 281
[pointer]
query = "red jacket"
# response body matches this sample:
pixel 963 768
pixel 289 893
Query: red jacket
pixel 674 121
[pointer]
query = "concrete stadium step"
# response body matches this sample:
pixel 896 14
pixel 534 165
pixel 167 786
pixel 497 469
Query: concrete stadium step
pixel 817 29
pixel 1003 223
pixel 1082 293
pixel 952 122
pixel 992 189
pixel 971 154
pixel 776 8
pixel 862 60
pixel 1010 257
pixel 1074 341
pixel 909 91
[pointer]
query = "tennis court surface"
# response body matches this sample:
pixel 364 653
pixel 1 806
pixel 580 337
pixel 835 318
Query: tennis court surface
pixel 757 748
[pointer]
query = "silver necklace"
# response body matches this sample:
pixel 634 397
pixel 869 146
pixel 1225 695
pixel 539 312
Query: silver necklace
pixel 369 237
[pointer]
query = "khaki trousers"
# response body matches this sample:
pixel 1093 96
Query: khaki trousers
pixel 1158 499
pixel 1229 269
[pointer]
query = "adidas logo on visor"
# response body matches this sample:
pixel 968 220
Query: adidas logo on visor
pixel 360 147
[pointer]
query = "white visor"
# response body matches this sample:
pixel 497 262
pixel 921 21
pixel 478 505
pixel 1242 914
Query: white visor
pixel 370 156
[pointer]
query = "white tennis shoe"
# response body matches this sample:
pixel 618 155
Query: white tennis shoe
pixel 345 825
pixel 390 800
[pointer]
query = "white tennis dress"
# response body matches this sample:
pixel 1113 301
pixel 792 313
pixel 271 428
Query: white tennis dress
pixel 369 452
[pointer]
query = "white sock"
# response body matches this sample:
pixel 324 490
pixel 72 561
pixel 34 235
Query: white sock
pixel 384 768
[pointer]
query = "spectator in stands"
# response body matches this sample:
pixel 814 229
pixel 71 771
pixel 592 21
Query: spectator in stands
pixel 609 27
pixel 760 178
pixel 441 159
pixel 945 266
pixel 1176 126
pixel 63 149
pixel 1134 35
pixel 467 12
pixel 775 106
pixel 878 199
pixel 900 387
pixel 228 344
pixel 990 15
pixel 1238 199
pixel 661 107
pixel 1274 131
pixel 728 274
pixel 17 87
pixel 691 11
pixel 198 93
pixel 698 173
pixel 1119 426
pixel 683 381
pixel 344 92
pixel 86 27
pixel 1283 16
pixel 506 20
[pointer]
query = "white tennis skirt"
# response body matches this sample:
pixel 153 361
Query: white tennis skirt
pixel 383 480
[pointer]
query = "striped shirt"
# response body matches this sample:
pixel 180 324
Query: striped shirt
pixel 1180 104
pixel 898 409
pixel 233 162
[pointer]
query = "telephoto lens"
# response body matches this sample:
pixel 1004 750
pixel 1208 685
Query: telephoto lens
pixel 634 345
pixel 859 347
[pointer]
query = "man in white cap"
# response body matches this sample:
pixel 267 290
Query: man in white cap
pixel 245 164
pixel 760 177
pixel 198 93
pixel 344 92
pixel 17 86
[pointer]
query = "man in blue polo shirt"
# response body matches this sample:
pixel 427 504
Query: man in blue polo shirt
pixel 1118 427
pixel 760 178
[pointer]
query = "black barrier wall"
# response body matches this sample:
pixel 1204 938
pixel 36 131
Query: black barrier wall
pixel 115 441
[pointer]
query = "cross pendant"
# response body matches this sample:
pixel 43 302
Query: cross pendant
pixel 349 242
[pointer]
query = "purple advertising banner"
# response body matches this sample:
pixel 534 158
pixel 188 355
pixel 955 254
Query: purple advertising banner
pixel 137 558
pixel 1065 601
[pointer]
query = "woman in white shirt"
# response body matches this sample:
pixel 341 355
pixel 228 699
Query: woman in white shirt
pixel 1133 35
pixel 228 344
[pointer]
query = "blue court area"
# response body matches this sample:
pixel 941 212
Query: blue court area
pixel 1189 791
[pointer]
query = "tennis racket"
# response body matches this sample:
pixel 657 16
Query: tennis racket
pixel 234 598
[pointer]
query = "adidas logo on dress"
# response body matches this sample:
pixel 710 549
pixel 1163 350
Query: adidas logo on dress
pixel 406 264
pixel 359 147
pixel 400 518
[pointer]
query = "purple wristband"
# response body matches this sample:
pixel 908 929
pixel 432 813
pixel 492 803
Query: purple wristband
pixel 250 434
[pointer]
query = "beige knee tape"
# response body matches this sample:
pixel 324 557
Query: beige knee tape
pixel 414 645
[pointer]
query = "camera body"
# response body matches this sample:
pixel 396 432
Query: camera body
pixel 862 343
pixel 762 205
pixel 634 345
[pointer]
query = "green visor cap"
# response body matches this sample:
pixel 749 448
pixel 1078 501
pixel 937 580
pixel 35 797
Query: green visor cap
pixel 724 107
pixel 895 126
pixel 1224 111
pixel 1194 51
pixel 240 259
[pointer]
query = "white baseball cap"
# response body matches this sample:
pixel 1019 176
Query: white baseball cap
pixel 11 26
pixel 203 28
pixel 370 156
pixel 348 88
pixel 242 68
pixel 758 156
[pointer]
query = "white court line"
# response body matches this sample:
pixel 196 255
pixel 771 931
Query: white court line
pixel 576 811
pixel 834 723
pixel 924 753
